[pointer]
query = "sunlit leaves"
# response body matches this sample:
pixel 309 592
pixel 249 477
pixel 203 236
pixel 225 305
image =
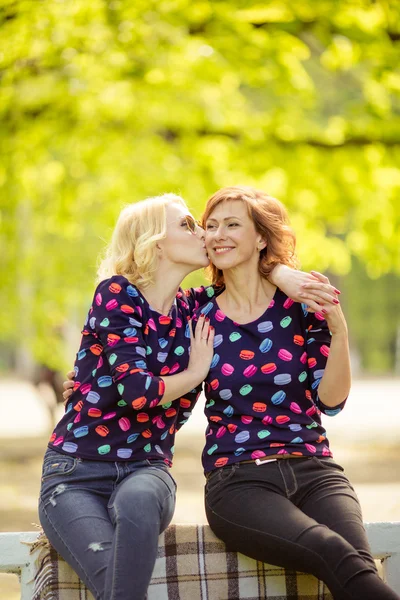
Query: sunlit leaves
pixel 103 103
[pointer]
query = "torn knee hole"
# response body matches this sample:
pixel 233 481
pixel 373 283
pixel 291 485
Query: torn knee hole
pixel 96 547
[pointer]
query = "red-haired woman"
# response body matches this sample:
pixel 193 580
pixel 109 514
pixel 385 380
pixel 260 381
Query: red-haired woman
pixel 273 490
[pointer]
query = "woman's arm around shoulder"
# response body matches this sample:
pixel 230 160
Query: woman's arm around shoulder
pixel 311 288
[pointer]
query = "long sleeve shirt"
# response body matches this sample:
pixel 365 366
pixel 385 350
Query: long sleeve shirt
pixel 126 348
pixel 262 387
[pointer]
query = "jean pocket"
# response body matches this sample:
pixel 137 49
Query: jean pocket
pixel 219 476
pixel 58 464
pixel 163 472
pixel 172 480
pixel 328 463
pixel 168 472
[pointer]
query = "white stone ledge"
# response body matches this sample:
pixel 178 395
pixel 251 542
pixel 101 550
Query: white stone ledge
pixel 15 556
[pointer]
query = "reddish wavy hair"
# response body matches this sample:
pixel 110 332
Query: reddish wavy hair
pixel 271 222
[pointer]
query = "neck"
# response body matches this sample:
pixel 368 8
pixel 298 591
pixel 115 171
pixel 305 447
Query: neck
pixel 162 292
pixel 246 290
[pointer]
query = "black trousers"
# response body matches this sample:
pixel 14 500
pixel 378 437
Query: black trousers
pixel 299 513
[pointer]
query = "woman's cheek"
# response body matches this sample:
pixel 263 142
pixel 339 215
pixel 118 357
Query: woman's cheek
pixel 207 241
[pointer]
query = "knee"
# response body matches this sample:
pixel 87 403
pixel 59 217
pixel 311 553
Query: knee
pixel 324 542
pixel 332 549
pixel 141 504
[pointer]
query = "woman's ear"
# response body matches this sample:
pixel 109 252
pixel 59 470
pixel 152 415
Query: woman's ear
pixel 261 244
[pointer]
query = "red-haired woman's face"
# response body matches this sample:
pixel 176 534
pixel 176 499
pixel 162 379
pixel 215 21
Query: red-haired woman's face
pixel 231 237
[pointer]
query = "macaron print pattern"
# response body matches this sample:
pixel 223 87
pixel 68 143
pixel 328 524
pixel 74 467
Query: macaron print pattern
pixel 262 387
pixel 127 346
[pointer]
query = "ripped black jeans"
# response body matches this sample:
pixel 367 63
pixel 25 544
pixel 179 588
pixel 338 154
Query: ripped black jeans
pixel 302 514
pixel 104 518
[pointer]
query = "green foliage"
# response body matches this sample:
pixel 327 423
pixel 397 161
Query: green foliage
pixel 370 307
pixel 103 103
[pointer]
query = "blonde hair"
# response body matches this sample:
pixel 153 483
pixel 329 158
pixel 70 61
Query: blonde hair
pixel 270 221
pixel 132 249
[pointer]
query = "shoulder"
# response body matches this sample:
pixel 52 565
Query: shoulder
pixel 196 297
pixel 118 284
pixel 287 306
pixel 117 292
pixel 310 321
pixel 289 311
pixel 313 325
pixel 209 308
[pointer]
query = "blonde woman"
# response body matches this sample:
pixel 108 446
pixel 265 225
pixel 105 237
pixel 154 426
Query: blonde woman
pixel 107 492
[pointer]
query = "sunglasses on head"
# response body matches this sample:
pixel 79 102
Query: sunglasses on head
pixel 191 223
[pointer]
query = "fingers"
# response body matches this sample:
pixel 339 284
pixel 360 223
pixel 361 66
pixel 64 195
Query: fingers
pixel 332 314
pixel 67 385
pixel 308 278
pixel 67 394
pixel 320 276
pixel 319 285
pixel 327 287
pixel 330 310
pixel 320 297
pixel 190 323
pixel 199 327
pixel 207 334
pixel 203 329
pixel 312 307
pixel 324 293
pixel 206 328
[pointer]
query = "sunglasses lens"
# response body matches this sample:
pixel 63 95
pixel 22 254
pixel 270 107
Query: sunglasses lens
pixel 191 223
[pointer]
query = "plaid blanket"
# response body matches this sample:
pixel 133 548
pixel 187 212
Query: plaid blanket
pixel 192 564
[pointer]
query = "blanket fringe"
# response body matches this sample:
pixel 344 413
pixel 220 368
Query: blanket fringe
pixel 45 571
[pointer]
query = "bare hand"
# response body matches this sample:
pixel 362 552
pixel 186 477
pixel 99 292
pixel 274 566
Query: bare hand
pixel 332 312
pixel 68 386
pixel 201 346
pixel 313 289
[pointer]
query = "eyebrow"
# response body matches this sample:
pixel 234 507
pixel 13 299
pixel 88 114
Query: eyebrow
pixel 226 218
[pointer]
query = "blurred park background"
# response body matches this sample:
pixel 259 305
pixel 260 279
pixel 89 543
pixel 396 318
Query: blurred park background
pixel 106 102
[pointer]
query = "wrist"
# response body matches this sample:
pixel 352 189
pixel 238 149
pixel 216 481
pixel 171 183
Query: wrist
pixel 277 274
pixel 340 334
pixel 196 375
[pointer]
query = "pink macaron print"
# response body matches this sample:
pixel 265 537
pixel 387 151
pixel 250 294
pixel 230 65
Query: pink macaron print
pixel 227 369
pixel 285 354
pixel 250 371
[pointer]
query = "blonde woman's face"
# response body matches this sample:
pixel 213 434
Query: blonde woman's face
pixel 184 242
pixel 231 238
